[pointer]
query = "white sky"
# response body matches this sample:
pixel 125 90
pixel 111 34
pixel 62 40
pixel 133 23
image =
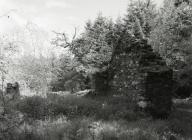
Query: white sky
pixel 58 15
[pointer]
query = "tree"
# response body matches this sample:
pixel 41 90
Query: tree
pixel 93 49
pixel 66 76
pixel 142 12
pixel 172 35
pixel 7 49
pixel 35 73
pixel 172 39
pixel 9 117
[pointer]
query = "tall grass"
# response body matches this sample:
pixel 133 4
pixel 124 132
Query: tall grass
pixel 75 118
pixel 39 108
pixel 88 129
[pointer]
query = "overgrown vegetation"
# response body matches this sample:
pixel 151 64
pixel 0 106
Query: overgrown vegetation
pixel 84 118
pixel 127 70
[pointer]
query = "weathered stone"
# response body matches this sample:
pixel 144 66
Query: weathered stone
pixel 143 72
pixel 12 91
pixel 134 71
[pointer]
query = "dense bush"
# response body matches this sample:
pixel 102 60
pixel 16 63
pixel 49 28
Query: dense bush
pixel 184 83
pixel 117 108
pixel 35 107
pixel 180 122
pixel 112 112
pixel 73 106
pixel 76 127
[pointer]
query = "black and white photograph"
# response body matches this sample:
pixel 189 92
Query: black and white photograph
pixel 95 69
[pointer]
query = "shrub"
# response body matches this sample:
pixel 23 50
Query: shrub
pixel 73 106
pixel 184 83
pixel 180 122
pixel 116 108
pixel 35 107
pixel 58 129
pixel 112 112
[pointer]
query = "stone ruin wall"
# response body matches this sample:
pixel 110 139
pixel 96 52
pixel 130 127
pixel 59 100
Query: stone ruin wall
pixel 131 68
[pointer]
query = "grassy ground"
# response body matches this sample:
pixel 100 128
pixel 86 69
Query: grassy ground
pixel 75 118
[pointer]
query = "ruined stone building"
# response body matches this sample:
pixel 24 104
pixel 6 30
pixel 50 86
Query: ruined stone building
pixel 136 71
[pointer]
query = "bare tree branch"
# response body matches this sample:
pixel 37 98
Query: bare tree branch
pixel 62 40
pixel 148 3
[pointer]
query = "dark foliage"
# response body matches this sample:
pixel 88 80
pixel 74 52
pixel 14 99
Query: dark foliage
pixel 158 82
pixel 73 107
pixel 159 93
pixel 114 108
pixel 41 108
pixel 184 83
pixel 179 2
pixel 72 81
pixel 100 83
pixel 35 107
pixel 180 122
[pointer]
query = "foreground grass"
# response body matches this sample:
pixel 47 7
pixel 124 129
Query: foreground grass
pixel 74 118
pixel 89 129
